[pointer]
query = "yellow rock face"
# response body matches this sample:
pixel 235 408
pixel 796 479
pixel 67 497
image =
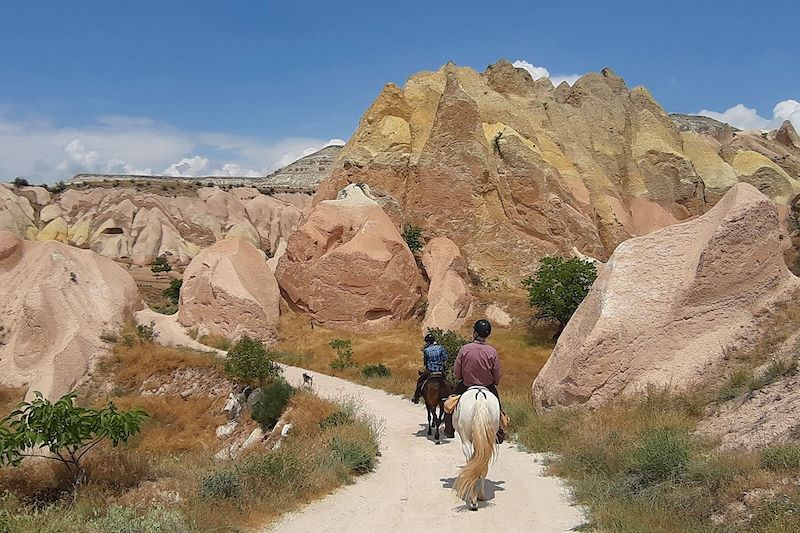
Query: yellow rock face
pixel 749 162
pixel 56 230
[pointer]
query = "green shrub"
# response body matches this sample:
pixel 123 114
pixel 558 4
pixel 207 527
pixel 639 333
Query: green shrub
pixel 147 332
pixel 452 343
pixel 273 401
pixel 340 417
pixel 250 361
pixel 376 371
pixel 662 454
pixel 357 454
pixel 173 292
pixel 157 520
pixel 344 354
pixel 413 237
pixel 20 182
pixel 161 264
pixel 558 287
pixel 220 485
pixel 66 430
pixel 781 457
pixel 59 187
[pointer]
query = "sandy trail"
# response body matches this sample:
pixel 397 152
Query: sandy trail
pixel 410 489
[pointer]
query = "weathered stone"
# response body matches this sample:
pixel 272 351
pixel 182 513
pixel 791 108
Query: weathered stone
pixel 449 295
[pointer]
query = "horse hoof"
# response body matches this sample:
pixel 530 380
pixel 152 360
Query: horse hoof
pixel 473 507
pixel 438 442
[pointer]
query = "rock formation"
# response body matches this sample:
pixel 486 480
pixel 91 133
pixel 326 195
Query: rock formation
pixel 306 173
pixel 228 290
pixel 348 267
pixel 449 295
pixel 512 169
pixel 124 224
pixel 666 305
pixel 55 302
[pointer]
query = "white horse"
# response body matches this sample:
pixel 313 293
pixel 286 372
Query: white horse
pixel 476 419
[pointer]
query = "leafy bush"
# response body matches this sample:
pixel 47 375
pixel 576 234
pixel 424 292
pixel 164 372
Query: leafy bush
pixel 376 371
pixel 273 401
pixel 558 288
pixel 20 182
pixel 452 343
pixel 125 520
pixel 344 354
pixel 66 430
pixel 173 292
pixel 161 264
pixel 250 361
pixel 220 485
pixel 413 237
pixel 781 457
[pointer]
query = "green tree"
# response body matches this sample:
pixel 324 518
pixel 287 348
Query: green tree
pixel 344 354
pixel 250 361
pixel 161 264
pixel 66 430
pixel 273 401
pixel 413 238
pixel 452 343
pixel 20 182
pixel 173 292
pixel 558 287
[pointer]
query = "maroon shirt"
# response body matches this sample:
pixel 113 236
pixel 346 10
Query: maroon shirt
pixel 477 364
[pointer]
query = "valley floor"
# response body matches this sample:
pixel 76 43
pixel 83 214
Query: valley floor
pixel 410 489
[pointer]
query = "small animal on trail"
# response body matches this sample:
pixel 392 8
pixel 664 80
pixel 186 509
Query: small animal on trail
pixel 476 419
pixel 308 379
pixel 435 391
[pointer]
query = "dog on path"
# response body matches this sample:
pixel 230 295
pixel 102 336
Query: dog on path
pixel 308 380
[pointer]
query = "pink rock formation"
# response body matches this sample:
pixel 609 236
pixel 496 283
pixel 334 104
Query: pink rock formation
pixel 667 304
pixel 229 290
pixel 348 267
pixel 449 296
pixel 55 301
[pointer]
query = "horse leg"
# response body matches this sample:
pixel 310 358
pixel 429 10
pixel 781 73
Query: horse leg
pixel 482 489
pixel 436 420
pixel 429 420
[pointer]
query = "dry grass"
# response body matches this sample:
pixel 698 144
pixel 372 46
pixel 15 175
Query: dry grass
pixel 220 342
pixel 523 351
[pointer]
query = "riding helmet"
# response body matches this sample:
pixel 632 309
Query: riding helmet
pixel 483 328
pixel 429 338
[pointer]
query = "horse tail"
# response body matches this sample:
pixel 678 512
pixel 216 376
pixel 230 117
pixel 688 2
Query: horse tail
pixel 483 439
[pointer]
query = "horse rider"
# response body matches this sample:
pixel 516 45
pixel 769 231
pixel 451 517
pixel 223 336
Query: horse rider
pixel 477 363
pixel 434 357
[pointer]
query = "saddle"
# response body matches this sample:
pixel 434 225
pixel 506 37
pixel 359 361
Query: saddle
pixel 451 403
pixel 435 375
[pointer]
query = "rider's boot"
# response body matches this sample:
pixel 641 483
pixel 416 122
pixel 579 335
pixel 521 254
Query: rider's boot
pixel 449 430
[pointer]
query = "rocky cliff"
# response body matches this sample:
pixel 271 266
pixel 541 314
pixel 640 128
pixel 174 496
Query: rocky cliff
pixel 512 169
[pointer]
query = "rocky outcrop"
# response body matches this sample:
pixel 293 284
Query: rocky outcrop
pixel 55 302
pixel 228 290
pixel 512 169
pixel 128 225
pixel 348 267
pixel 449 295
pixel 667 305
pixel 306 173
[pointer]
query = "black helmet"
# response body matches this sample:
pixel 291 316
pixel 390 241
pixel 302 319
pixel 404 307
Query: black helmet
pixel 429 338
pixel 482 328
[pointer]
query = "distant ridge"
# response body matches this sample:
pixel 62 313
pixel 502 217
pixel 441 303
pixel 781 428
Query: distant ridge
pixel 302 175
pixel 700 124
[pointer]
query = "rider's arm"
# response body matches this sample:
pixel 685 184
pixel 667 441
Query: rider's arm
pixel 497 372
pixel 457 365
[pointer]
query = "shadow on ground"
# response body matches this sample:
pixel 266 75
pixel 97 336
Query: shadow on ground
pixel 423 432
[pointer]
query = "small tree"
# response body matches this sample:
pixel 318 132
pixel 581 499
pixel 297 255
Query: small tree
pixel 161 264
pixel 68 431
pixel 273 401
pixel 173 292
pixel 250 361
pixel 452 343
pixel 558 288
pixel 413 237
pixel 20 182
pixel 344 353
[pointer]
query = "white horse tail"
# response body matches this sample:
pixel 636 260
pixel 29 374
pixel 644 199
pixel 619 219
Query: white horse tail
pixel 483 439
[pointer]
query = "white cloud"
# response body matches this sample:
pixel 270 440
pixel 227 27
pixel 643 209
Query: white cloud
pixel 747 118
pixel 542 72
pixel 33 146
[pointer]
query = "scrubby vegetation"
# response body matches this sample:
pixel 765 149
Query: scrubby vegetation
pixel 376 371
pixel 20 182
pixel 161 264
pixel 165 477
pixel 413 237
pixel 558 287
pixel 344 354
pixel 271 404
pixel 220 342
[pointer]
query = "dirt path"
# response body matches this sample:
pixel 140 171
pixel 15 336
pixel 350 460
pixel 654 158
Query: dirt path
pixel 410 490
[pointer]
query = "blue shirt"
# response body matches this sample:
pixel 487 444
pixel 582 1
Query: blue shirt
pixel 435 357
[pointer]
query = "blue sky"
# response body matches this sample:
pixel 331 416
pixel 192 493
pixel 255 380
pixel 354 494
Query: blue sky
pixel 193 86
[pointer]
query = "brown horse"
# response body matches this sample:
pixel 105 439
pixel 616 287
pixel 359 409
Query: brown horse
pixel 435 390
